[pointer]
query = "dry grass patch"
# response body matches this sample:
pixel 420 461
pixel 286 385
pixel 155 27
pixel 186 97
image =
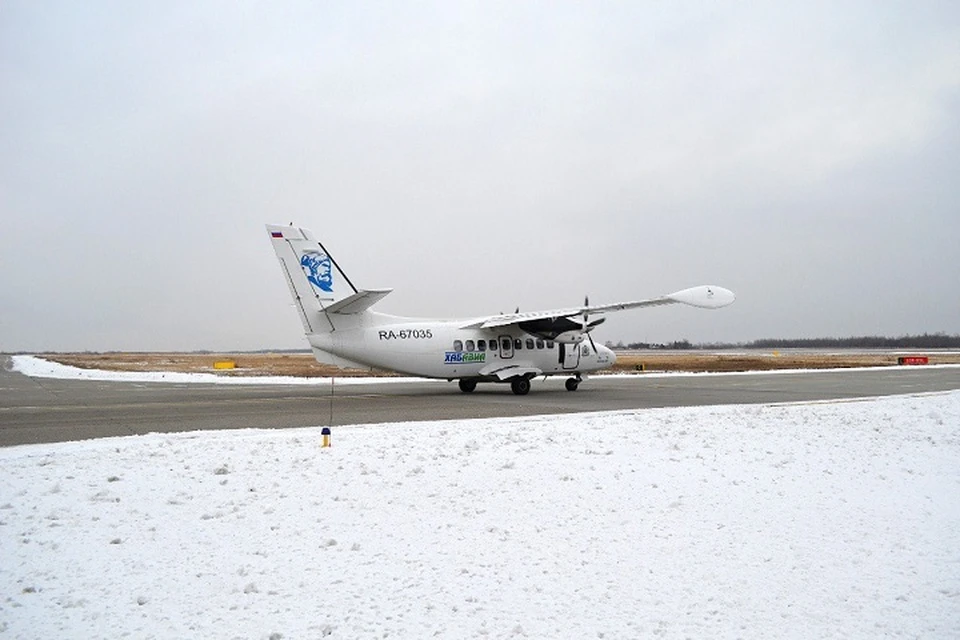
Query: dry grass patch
pixel 304 365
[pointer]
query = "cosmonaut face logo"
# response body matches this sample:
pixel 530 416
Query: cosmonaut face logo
pixel 318 269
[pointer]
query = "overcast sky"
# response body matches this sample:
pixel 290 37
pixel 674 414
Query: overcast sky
pixel 477 157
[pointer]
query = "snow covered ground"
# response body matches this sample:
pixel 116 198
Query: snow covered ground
pixel 788 521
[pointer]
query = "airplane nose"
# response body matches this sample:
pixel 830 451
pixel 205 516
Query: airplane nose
pixel 611 355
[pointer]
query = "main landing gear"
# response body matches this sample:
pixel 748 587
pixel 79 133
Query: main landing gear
pixel 520 386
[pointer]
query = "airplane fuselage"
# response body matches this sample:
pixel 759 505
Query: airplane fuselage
pixel 443 349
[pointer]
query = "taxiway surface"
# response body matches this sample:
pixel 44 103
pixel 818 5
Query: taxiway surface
pixel 38 410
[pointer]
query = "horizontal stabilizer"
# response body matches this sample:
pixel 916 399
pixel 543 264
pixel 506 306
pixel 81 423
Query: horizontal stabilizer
pixel 358 302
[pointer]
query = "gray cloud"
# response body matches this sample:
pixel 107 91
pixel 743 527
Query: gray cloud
pixel 476 158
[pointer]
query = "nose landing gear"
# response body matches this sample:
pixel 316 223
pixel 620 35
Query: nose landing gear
pixel 573 383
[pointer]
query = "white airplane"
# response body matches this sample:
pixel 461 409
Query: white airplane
pixel 512 347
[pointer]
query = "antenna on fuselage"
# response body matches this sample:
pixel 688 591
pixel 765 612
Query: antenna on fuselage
pixel 333 383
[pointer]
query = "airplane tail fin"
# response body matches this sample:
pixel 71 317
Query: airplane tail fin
pixel 316 281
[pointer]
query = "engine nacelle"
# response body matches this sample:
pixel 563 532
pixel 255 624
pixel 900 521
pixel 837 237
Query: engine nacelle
pixel 570 337
pixel 563 330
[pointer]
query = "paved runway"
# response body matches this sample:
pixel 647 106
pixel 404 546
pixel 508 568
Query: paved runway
pixel 36 410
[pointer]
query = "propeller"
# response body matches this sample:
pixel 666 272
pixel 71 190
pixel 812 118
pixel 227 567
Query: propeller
pixel 587 325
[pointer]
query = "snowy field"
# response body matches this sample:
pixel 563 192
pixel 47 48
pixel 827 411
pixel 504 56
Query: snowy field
pixel 787 521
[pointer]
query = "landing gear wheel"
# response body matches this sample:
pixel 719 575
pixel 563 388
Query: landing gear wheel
pixel 467 385
pixel 520 386
pixel 572 384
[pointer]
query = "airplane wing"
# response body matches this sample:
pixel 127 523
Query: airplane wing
pixel 704 297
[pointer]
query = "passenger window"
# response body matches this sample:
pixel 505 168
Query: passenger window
pixel 549 344
pixel 517 344
pixel 505 344
pixel 539 344
pixel 457 345
pixel 529 343
pixel 481 345
pixel 470 346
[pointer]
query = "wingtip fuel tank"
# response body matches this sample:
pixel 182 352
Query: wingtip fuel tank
pixel 706 296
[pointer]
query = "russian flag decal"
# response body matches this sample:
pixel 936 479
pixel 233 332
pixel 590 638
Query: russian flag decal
pixel 276 234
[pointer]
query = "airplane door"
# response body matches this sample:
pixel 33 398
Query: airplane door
pixel 506 347
pixel 570 353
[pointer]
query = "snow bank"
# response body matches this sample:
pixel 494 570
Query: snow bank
pixel 827 519
pixel 39 368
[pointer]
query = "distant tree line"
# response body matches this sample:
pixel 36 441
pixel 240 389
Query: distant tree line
pixel 924 341
pixel 677 344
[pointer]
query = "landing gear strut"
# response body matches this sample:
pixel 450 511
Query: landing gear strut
pixel 467 385
pixel 573 383
pixel 520 386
